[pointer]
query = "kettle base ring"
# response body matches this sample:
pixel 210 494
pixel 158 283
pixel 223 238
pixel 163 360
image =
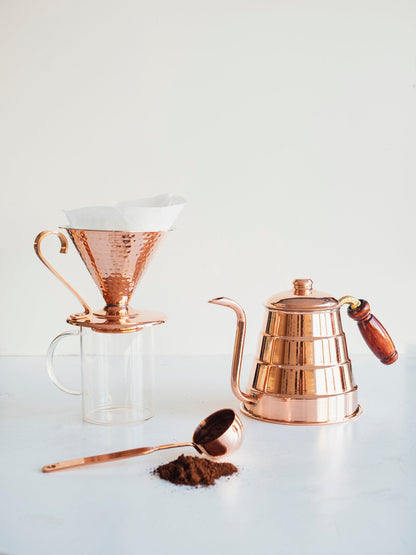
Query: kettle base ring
pixel 358 411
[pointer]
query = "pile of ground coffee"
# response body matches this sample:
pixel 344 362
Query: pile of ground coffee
pixel 194 471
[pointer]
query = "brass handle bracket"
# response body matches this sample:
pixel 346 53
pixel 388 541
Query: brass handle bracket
pixel 352 301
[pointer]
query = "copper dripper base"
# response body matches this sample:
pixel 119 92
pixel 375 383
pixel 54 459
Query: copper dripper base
pixel 102 322
pixel 332 409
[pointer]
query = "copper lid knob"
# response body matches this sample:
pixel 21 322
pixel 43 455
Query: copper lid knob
pixel 302 286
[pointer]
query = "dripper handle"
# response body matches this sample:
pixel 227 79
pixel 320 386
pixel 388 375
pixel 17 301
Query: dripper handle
pixel 64 249
pixel 374 334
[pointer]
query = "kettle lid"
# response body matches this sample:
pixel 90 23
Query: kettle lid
pixel 301 297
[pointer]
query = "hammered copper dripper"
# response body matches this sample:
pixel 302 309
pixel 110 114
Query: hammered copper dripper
pixel 302 373
pixel 116 260
pixel 218 435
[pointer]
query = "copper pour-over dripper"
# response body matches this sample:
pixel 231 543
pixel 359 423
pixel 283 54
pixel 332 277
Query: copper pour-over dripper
pixel 116 261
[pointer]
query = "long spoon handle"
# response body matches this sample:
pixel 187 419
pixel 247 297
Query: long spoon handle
pixel 96 459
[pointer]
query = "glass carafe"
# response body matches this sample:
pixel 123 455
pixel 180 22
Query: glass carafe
pixel 117 374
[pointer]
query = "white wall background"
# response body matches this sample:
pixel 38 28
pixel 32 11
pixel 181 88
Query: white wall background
pixel 288 125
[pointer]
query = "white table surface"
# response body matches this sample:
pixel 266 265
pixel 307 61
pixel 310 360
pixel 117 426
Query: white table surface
pixel 339 489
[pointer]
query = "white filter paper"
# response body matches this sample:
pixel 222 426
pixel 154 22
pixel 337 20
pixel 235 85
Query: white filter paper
pixel 147 214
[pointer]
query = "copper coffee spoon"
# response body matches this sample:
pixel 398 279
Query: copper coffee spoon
pixel 220 434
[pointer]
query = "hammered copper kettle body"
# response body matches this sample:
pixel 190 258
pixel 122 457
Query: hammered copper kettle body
pixel 302 373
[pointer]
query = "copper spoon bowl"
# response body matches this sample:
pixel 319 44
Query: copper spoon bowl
pixel 220 434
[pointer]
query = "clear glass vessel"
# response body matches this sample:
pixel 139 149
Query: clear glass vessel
pixel 117 374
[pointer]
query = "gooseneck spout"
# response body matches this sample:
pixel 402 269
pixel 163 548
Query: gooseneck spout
pixel 238 349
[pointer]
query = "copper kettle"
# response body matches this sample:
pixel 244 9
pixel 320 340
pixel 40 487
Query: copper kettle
pixel 302 373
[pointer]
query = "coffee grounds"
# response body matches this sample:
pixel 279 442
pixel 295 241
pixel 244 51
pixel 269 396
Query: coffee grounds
pixel 194 471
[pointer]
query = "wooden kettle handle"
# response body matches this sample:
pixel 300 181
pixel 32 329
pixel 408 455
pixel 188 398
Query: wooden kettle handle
pixel 374 333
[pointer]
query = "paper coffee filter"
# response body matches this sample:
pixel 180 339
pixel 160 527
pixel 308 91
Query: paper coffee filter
pixel 147 214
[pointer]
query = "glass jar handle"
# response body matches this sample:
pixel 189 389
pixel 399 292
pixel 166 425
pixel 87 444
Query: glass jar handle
pixel 49 362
